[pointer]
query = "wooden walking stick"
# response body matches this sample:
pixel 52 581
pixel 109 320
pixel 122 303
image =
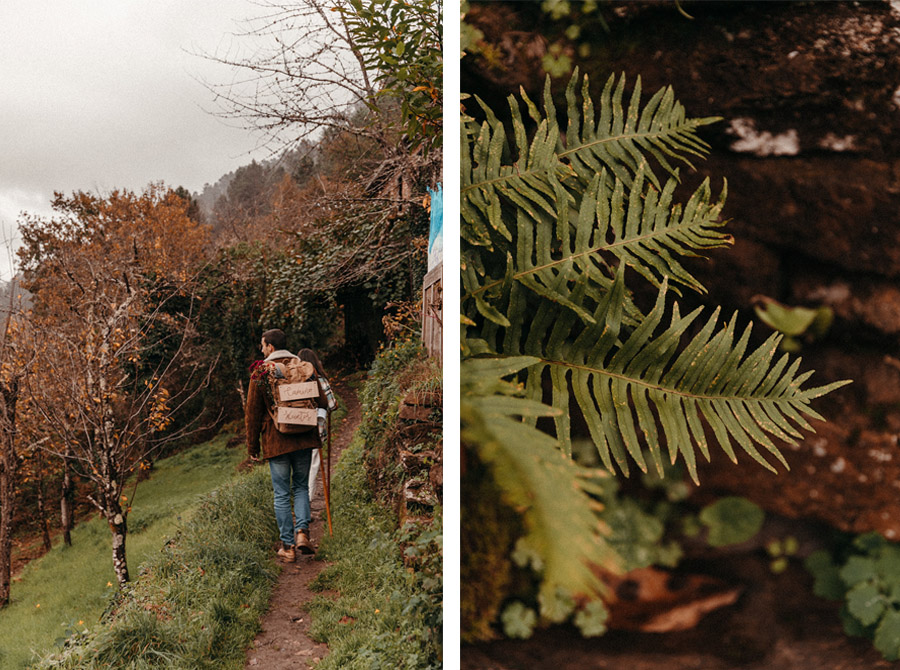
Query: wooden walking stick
pixel 326 479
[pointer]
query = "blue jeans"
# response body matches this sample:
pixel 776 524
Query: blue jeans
pixel 290 474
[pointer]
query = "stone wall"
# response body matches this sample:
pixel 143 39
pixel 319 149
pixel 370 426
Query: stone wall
pixel 810 145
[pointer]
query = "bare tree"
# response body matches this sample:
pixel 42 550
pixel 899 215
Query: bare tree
pixel 107 408
pixel 305 66
pixel 304 73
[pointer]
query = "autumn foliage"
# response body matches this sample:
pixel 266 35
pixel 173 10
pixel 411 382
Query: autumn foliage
pixel 114 289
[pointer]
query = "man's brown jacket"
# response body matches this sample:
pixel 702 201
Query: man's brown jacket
pixel 261 432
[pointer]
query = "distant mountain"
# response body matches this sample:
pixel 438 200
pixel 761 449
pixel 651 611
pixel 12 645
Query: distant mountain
pixel 256 177
pixel 211 193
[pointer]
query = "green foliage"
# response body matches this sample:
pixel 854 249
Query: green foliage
pixel 386 386
pixel 553 223
pixel 866 576
pixel 308 315
pixel 591 619
pixel 469 36
pixel 359 262
pixel 518 620
pixel 387 615
pixel 197 603
pixel 793 322
pixel 70 583
pixel 234 290
pixel 553 493
pixel 390 581
pixel 401 42
pixel 781 551
pixel 731 520
pixel 548 230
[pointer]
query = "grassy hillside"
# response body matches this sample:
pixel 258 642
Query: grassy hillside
pixel 68 589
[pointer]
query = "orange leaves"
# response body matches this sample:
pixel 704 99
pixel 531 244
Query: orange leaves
pixel 111 243
pixel 160 416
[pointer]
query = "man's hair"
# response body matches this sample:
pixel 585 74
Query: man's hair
pixel 276 338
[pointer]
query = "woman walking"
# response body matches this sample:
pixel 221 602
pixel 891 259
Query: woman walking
pixel 310 356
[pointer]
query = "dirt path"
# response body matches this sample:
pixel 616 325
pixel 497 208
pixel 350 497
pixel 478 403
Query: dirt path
pixel 284 641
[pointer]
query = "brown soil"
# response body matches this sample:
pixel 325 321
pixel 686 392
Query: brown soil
pixel 777 624
pixel 284 641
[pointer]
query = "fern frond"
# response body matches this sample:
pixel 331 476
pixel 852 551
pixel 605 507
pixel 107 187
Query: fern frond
pixel 569 221
pixel 486 176
pixel 562 527
pixel 621 138
pixel 618 142
pixel 638 393
pixel 550 223
pixel 640 227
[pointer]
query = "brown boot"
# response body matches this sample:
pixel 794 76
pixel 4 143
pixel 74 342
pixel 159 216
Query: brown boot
pixel 303 543
pixel 287 554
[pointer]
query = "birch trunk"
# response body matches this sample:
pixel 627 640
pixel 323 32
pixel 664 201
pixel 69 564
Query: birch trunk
pixel 7 508
pixel 65 503
pixel 119 528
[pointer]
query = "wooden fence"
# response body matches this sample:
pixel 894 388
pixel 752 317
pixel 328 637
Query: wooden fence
pixel 433 312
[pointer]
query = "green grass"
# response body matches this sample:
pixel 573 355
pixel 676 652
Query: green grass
pixel 386 616
pixel 199 600
pixel 207 571
pixel 68 589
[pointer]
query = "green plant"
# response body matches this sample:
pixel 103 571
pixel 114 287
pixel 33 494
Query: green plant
pixel 780 552
pixel 388 613
pixel 731 520
pixel 793 322
pixel 197 601
pixel 866 577
pixel 553 224
pixel 401 44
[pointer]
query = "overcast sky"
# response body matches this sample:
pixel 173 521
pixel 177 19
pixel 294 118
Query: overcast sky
pixel 104 94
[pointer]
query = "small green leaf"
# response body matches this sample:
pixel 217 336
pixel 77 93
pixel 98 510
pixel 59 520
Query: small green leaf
pixel 869 542
pixel 888 564
pixel 731 520
pixel 887 635
pixel 866 603
pixel 787 320
pixel 524 555
pixel 556 606
pixel 518 621
pixel 828 583
pixel 852 626
pixel 791 545
pixel 591 619
pixel 858 569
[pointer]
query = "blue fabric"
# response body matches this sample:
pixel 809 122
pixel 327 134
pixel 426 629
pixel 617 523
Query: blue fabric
pixel 290 474
pixel 436 232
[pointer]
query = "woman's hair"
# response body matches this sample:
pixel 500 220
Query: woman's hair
pixel 310 356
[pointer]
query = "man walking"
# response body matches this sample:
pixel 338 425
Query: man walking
pixel 288 454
